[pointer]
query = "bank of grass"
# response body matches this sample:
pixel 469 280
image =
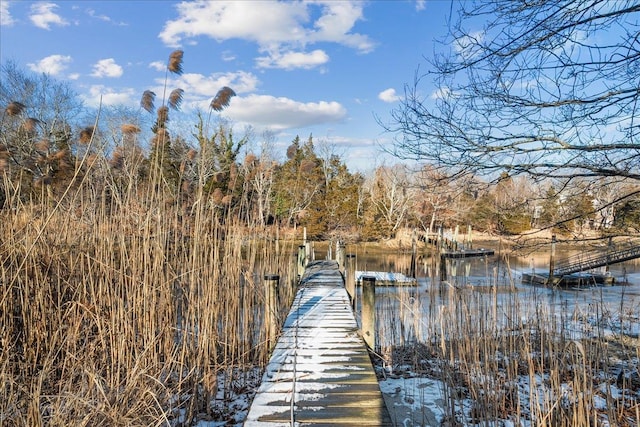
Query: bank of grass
pixel 130 311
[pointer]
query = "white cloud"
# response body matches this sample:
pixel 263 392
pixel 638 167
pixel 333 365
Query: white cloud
pixel 110 96
pixel 283 113
pixel 467 46
pixel 158 65
pixel 53 64
pixel 107 68
pixel 43 15
pixel 198 85
pixel 274 26
pixel 388 95
pixel 291 60
pixel 5 16
pixel 441 93
pixel 92 13
pixel 421 5
pixel 228 56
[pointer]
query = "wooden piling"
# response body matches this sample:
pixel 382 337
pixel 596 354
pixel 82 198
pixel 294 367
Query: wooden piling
pixel 271 282
pixel 414 255
pixel 302 261
pixel 340 253
pixel 443 268
pixel 350 276
pixel 552 260
pixel 369 311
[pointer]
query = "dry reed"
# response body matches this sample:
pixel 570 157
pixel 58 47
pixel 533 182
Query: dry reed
pixel 503 354
pixel 129 310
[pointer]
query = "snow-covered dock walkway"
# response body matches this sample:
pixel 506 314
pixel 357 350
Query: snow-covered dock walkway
pixel 319 373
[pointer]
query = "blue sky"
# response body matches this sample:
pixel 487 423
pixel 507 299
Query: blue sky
pixel 326 68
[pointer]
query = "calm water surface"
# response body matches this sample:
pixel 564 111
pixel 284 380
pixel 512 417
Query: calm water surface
pixel 494 281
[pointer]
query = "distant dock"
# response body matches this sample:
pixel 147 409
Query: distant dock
pixel 386 278
pixel 467 253
pixel 575 280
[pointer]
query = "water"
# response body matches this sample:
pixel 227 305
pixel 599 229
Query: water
pixel 493 283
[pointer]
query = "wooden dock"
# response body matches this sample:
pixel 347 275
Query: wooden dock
pixel 320 373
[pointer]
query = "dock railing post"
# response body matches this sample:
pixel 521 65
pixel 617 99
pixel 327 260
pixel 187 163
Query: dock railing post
pixel 350 275
pixel 552 260
pixel 271 282
pixel 369 311
pixel 414 255
pixel 340 256
pixel 302 261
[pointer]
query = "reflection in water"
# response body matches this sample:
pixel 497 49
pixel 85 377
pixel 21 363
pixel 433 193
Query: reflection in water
pixel 489 288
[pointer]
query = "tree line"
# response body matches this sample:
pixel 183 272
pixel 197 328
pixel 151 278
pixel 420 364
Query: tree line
pixel 45 152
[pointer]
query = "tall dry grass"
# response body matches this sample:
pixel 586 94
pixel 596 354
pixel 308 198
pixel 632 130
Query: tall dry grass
pixel 504 354
pixel 130 308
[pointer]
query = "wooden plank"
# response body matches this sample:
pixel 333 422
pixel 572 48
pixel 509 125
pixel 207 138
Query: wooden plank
pixel 320 373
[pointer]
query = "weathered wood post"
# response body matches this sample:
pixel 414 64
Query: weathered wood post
pixel 455 238
pixel 469 237
pixel 552 260
pixel 414 255
pixel 271 282
pixel 443 268
pixel 302 261
pixel 350 275
pixel 340 256
pixel 369 311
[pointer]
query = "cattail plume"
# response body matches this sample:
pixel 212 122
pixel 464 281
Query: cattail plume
pixel 163 116
pixel 148 98
pixel 222 99
pixel 160 138
pixel 30 125
pixel 86 134
pixel 129 129
pixel 175 99
pixel 117 159
pixel 42 145
pixel 175 62
pixel 15 108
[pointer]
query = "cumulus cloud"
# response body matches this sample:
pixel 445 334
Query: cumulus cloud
pixel 276 27
pixel 53 65
pixel 291 60
pixel 467 46
pixel 110 96
pixel 441 93
pixel 199 85
pixel 388 95
pixel 5 16
pixel 158 65
pixel 43 15
pixel 92 13
pixel 421 4
pixel 107 68
pixel 279 113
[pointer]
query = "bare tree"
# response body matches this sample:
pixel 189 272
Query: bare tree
pixel 548 89
pixel 391 195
